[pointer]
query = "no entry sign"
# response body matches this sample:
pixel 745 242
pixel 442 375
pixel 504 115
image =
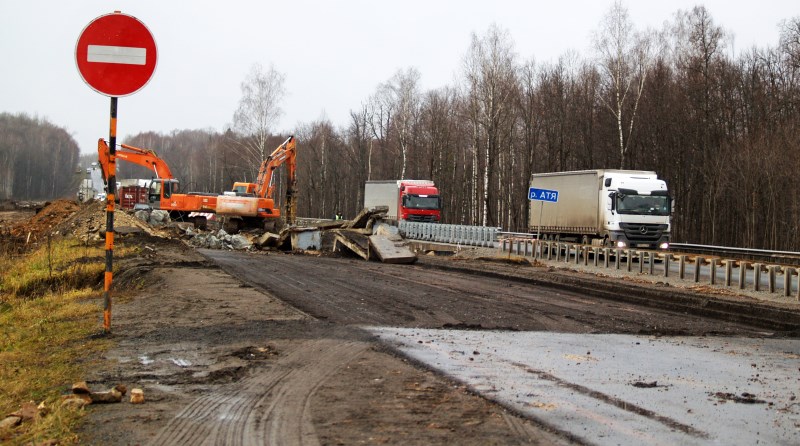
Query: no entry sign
pixel 116 54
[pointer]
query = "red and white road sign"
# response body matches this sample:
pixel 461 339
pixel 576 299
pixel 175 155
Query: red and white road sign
pixel 116 54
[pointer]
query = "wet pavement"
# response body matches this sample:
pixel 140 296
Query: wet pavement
pixel 610 389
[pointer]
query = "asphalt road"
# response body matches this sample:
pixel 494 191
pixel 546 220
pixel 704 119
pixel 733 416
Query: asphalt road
pixel 571 361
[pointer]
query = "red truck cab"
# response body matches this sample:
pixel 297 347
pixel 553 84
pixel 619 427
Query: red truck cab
pixel 419 201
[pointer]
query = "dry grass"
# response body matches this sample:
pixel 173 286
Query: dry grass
pixel 46 326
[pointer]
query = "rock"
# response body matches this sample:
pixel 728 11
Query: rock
pixel 239 242
pixel 111 396
pixel 142 215
pixel 76 401
pixel 159 217
pixel 81 388
pixel 137 396
pixel 9 422
pixel 28 411
pixel 121 388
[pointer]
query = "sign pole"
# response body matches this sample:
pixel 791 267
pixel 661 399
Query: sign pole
pixel 111 192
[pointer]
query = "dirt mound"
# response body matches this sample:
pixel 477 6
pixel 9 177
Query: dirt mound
pixel 89 221
pixel 46 219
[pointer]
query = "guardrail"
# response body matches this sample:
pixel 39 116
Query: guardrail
pixel 452 234
pixel 762 255
pixel 714 271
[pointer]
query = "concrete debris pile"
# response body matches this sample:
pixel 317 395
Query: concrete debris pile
pixel 155 217
pixel 217 240
pixel 365 236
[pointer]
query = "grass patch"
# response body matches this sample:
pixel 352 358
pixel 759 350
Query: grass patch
pixel 46 323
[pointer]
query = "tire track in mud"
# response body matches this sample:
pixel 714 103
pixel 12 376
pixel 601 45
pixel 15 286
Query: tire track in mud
pixel 271 406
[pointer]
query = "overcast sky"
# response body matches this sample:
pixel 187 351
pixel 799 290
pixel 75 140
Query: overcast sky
pixel 333 53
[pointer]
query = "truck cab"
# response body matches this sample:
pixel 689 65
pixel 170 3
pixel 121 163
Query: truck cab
pixel 637 210
pixel 419 202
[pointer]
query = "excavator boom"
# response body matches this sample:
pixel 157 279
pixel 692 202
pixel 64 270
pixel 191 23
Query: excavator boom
pixel 135 155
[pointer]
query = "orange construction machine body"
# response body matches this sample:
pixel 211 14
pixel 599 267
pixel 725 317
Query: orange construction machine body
pixel 252 204
pixel 163 189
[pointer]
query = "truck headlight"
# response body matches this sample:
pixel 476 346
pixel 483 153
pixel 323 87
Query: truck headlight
pixel 664 245
pixel 620 244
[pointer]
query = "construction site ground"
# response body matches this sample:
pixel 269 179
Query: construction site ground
pixel 276 348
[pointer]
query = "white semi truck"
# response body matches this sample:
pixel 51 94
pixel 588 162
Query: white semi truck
pixel 622 208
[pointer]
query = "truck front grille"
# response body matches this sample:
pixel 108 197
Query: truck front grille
pixel 422 218
pixel 643 232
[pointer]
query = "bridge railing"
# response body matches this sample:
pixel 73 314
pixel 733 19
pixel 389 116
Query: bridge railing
pixel 453 234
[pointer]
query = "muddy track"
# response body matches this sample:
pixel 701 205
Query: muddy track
pixel 354 292
pixel 269 407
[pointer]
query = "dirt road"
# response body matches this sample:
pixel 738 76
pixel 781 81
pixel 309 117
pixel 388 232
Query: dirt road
pixel 273 352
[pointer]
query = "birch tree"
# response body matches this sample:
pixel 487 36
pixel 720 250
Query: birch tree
pixel 258 111
pixel 624 58
pixel 490 74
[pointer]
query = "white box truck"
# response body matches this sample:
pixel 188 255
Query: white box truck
pixel 605 207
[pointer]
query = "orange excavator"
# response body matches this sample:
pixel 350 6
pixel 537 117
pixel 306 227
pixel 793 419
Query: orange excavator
pixel 252 204
pixel 163 190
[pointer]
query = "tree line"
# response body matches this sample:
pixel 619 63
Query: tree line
pixel 722 129
pixel 38 160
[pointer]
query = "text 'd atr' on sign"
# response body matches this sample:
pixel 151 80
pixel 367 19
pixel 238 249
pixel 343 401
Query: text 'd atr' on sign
pixel 117 54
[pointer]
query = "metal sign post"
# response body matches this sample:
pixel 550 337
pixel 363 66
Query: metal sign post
pixel 116 56
pixel 542 195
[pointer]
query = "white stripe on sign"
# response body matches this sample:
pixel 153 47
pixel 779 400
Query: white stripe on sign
pixel 117 54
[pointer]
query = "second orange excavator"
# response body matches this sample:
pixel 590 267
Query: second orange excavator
pixel 252 204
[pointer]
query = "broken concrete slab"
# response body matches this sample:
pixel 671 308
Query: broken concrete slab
pixel 367 214
pixel 355 242
pixel 306 238
pixel 391 251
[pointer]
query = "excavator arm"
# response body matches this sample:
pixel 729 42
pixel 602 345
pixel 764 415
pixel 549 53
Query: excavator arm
pixel 135 155
pixel 286 153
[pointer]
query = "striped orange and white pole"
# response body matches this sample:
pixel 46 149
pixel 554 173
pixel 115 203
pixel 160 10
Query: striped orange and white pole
pixel 111 192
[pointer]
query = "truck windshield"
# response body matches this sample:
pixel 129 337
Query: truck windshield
pixel 418 202
pixel 643 204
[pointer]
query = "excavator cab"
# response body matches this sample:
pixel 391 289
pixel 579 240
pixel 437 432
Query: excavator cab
pixel 160 189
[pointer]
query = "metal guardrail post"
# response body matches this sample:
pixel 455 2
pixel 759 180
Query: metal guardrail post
pixel 667 258
pixel 549 250
pixel 631 253
pixel 586 255
pixel 771 278
pixel 713 271
pixel 681 267
pixel 756 277
pixel 742 274
pixel 617 258
pixel 787 281
pixel 651 261
pixel 728 272
pixel 596 252
pixel 606 252
pixel 698 264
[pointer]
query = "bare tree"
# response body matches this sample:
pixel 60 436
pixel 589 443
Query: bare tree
pixel 624 58
pixel 404 91
pixel 259 109
pixel 490 71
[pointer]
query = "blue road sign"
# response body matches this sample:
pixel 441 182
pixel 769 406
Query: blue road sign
pixel 543 195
